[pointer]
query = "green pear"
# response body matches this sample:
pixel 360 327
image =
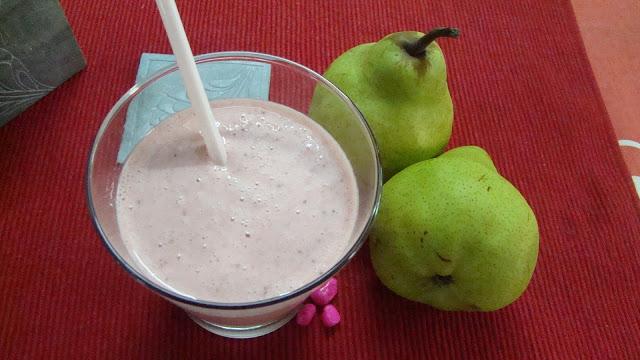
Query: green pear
pixel 472 153
pixel 400 85
pixel 453 233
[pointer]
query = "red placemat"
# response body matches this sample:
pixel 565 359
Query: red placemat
pixel 522 88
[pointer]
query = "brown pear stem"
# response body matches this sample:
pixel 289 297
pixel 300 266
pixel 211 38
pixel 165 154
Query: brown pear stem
pixel 419 47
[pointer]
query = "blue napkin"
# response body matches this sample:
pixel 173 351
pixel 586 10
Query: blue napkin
pixel 221 80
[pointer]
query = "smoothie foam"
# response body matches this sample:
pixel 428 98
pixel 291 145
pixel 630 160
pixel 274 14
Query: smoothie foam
pixel 280 214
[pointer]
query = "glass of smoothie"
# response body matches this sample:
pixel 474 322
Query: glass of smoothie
pixel 238 247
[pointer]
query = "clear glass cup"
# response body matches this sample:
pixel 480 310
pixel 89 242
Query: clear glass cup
pixel 289 84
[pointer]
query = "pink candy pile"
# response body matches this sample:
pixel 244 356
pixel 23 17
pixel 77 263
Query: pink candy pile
pixel 322 296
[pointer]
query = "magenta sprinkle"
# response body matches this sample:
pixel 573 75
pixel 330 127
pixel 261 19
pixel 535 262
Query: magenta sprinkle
pixel 330 316
pixel 324 294
pixel 306 314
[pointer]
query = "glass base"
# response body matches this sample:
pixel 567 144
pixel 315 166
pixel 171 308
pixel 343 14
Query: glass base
pixel 243 332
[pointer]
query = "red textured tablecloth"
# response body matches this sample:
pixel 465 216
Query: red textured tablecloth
pixel 522 88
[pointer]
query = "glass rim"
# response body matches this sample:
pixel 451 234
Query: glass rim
pixel 172 295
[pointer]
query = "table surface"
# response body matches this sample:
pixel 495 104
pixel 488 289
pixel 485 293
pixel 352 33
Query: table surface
pixel 611 35
pixel 522 88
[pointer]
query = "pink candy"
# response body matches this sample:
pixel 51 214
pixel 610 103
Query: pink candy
pixel 324 294
pixel 330 316
pixel 321 296
pixel 306 314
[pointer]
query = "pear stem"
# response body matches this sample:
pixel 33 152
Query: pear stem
pixel 419 47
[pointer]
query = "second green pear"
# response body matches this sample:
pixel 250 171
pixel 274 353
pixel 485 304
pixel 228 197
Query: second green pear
pixel 453 233
pixel 400 85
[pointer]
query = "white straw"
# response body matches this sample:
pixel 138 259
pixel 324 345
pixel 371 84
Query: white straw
pixel 191 78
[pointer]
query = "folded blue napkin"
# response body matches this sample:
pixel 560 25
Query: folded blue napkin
pixel 221 80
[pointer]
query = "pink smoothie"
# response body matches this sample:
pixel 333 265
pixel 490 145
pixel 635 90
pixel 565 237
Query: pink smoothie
pixel 278 215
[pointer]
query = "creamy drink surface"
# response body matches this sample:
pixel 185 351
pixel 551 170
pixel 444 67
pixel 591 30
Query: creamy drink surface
pixel 280 213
